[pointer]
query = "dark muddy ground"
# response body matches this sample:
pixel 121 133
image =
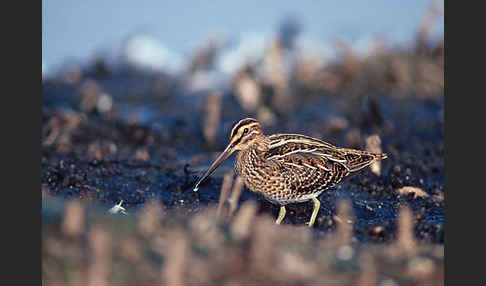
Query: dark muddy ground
pixel 151 145
pixel 145 139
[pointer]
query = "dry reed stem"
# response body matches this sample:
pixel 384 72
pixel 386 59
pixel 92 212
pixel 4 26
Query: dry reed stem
pixel 89 92
pixel 53 128
pixel 132 250
pixel 212 116
pixel 206 229
pixel 278 77
pixel 223 196
pixel 373 144
pixel 420 268
pixel 433 13
pixel 73 222
pixel 99 268
pixel 405 237
pixel 244 219
pixel 369 272
pixel 265 116
pixel 248 92
pixel 263 243
pixel 173 270
pixel 295 266
pixel 235 196
pixel 149 218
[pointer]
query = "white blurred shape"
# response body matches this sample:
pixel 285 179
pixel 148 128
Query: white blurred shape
pixel 147 53
pixel 207 81
pixel 364 45
pixel 105 103
pixel 309 48
pixel 250 48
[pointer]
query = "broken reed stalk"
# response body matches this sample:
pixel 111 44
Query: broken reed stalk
pixel 173 270
pixel 235 196
pixel 223 195
pixel 433 13
pixel 373 144
pixel 73 222
pixel 212 116
pixel 149 218
pixel 248 92
pixel 278 78
pixel 53 128
pixel 241 225
pixel 99 268
pixel 369 271
pixel 405 237
pixel 263 242
pixel 132 250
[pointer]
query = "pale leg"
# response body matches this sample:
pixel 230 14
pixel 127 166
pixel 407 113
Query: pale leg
pixel 281 215
pixel 317 205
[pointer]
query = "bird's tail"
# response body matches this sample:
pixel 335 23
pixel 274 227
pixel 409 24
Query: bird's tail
pixel 357 159
pixel 380 156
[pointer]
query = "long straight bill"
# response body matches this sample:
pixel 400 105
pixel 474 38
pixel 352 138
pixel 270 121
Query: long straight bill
pixel 223 156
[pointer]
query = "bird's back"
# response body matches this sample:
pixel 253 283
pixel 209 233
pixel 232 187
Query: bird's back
pixel 296 168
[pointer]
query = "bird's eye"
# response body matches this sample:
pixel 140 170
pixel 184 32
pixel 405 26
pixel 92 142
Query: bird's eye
pixel 245 131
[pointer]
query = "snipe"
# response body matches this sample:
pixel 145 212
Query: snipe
pixel 288 168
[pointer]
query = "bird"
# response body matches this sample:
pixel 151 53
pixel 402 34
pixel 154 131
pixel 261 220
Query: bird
pixel 288 168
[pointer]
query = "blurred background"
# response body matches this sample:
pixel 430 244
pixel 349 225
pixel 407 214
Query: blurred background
pixel 169 31
pixel 138 98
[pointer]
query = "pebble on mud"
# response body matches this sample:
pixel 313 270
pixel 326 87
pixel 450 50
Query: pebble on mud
pixel 142 154
pixel 409 189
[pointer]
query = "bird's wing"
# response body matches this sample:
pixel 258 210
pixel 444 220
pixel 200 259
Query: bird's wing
pixel 283 147
pixel 307 163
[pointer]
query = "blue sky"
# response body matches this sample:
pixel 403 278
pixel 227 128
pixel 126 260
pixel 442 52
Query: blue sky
pixel 76 29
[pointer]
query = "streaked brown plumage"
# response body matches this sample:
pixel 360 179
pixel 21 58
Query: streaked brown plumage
pixel 289 168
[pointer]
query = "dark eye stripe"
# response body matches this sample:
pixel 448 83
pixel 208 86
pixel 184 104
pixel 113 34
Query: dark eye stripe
pixel 239 124
pixel 247 137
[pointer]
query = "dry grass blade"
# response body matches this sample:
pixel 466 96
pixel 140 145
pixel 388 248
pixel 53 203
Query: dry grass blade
pixel 99 268
pixel 73 222
pixel 248 92
pixel 263 243
pixel 177 257
pixel 373 144
pixel 149 218
pixel 368 275
pixel 405 237
pixel 278 78
pixel 235 196
pixel 243 221
pixel 212 116
pixel 223 196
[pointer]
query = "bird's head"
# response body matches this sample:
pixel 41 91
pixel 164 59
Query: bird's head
pixel 244 134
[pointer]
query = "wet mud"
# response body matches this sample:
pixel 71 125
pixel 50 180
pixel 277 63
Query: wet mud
pixel 150 145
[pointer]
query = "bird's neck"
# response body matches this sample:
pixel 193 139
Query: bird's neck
pixel 262 144
pixel 253 154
